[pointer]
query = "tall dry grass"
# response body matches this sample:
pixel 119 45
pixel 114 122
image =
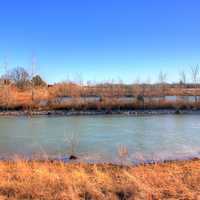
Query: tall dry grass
pixel 13 98
pixel 59 181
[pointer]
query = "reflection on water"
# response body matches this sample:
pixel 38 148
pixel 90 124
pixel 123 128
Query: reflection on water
pixel 145 137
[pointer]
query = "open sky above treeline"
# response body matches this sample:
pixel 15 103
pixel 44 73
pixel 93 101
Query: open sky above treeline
pixel 101 40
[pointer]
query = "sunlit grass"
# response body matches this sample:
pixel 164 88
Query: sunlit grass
pixel 47 180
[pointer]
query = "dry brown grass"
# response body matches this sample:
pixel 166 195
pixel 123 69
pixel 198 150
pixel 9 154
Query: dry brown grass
pixel 13 98
pixel 59 181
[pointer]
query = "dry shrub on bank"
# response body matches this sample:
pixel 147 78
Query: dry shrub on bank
pixel 13 98
pixel 65 89
pixel 59 181
pixel 110 98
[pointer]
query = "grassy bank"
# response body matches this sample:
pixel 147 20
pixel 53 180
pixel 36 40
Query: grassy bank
pixel 46 180
pixel 50 98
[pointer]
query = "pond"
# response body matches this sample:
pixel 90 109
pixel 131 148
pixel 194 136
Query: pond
pixel 97 138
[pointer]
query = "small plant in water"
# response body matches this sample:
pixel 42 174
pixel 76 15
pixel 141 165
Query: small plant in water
pixel 73 142
pixel 122 154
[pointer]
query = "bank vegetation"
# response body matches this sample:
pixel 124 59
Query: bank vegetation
pixel 20 90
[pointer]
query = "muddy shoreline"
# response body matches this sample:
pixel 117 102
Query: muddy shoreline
pixel 79 159
pixel 101 112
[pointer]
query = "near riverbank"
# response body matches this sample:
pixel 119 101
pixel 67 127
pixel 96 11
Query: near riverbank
pixel 59 181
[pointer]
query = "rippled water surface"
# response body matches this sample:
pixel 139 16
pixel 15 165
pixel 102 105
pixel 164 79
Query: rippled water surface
pixel 97 138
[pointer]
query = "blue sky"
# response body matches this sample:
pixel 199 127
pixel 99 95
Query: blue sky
pixel 101 39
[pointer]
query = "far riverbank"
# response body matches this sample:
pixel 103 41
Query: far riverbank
pixel 137 112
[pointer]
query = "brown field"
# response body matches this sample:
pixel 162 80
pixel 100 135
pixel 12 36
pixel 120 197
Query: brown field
pixel 59 181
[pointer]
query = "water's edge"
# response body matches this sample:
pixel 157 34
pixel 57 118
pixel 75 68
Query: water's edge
pixel 103 112
pixel 133 163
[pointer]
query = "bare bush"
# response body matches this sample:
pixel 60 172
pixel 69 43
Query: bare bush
pixel 122 152
pixel 72 141
pixel 195 78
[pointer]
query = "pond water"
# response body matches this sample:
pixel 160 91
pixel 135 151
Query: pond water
pixel 97 138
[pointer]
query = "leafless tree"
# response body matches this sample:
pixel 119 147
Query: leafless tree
pixel 195 78
pixel 149 89
pixel 6 83
pixel 72 141
pixel 120 89
pixel 141 96
pixel 162 78
pixel 182 83
pixel 136 87
pixel 195 74
pixel 20 77
pixel 182 78
pixel 33 67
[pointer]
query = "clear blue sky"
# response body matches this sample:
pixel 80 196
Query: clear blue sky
pixel 101 39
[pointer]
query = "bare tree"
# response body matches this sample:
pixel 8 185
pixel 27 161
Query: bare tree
pixel 195 74
pixel 162 78
pixel 120 89
pixel 136 87
pixel 6 83
pixel 33 66
pixel 20 77
pixel 72 141
pixel 149 89
pixel 195 78
pixel 182 78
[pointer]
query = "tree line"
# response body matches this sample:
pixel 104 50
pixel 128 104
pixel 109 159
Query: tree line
pixel 21 78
